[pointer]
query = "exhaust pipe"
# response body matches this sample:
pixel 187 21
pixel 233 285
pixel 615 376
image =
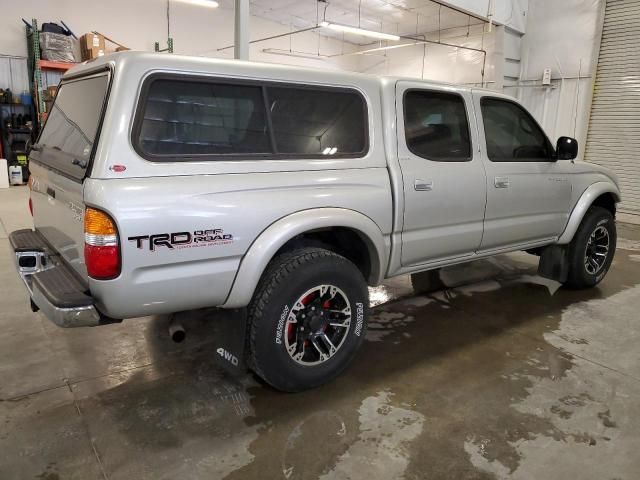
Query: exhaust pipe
pixel 176 330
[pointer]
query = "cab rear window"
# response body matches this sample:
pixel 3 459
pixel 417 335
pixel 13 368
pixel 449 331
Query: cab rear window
pixel 183 119
pixel 70 131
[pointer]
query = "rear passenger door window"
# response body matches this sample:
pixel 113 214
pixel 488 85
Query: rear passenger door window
pixel 436 126
pixel 511 133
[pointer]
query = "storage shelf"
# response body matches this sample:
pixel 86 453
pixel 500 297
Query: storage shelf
pixel 49 65
pixel 25 105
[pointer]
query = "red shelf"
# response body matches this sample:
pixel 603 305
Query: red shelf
pixel 49 65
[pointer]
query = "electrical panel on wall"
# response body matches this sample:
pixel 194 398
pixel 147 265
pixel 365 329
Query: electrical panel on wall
pixel 546 77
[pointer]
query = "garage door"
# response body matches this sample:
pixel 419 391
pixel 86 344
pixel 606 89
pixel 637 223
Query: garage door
pixel 613 139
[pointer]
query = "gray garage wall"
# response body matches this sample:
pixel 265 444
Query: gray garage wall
pixel 613 138
pixel 563 36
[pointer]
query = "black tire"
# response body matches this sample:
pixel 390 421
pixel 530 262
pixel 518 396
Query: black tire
pixel 427 282
pixel 579 275
pixel 287 278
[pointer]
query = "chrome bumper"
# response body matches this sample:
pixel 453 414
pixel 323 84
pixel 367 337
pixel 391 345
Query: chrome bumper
pixel 32 258
pixel 66 317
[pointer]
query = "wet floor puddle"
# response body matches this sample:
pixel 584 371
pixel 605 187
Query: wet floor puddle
pixel 490 379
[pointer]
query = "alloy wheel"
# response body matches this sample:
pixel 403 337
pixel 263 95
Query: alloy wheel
pixel 317 325
pixel 597 250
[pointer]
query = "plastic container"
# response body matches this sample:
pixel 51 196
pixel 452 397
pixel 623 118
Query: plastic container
pixel 15 175
pixel 26 98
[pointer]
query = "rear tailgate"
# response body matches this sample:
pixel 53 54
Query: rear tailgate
pixel 61 160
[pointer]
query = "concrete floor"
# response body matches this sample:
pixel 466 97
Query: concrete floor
pixel 506 376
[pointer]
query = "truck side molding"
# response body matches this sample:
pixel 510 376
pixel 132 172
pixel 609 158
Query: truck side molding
pixel 263 249
pixel 586 200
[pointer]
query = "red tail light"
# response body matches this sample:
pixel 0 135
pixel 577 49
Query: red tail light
pixel 101 245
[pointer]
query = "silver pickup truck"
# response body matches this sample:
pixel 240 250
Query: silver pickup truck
pixel 163 183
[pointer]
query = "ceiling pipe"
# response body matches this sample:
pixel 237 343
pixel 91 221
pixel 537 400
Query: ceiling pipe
pixel 405 37
pixel 416 41
pixel 272 37
pixel 295 53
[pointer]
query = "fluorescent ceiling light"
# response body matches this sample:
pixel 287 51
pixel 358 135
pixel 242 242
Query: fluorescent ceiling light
pixel 359 31
pixel 202 3
pixel 293 53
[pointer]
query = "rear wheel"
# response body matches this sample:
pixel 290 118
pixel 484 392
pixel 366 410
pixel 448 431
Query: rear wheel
pixel 307 319
pixel 592 249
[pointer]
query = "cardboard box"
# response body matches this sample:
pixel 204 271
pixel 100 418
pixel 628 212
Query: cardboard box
pixel 92 45
pixel 50 93
pixel 92 40
pixel 91 53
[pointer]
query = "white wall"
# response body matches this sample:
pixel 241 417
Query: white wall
pixel 139 23
pixel 561 35
pixel 511 13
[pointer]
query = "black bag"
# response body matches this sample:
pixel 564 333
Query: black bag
pixel 54 28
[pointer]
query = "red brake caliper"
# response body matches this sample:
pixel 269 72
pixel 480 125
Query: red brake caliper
pixel 326 305
pixel 290 334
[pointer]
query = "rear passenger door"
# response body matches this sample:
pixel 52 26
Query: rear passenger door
pixel 528 191
pixel 443 175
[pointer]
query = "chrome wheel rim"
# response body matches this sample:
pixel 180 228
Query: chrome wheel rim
pixel 317 325
pixel 597 250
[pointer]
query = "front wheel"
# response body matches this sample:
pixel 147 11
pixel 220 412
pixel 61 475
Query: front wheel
pixel 307 319
pixel 592 249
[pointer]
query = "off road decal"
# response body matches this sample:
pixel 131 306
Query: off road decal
pixel 359 318
pixel 180 240
pixel 280 327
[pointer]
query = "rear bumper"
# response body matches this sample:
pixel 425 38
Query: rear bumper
pixel 54 287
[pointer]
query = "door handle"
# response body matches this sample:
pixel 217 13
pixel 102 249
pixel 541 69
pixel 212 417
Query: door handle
pixel 501 182
pixel 423 185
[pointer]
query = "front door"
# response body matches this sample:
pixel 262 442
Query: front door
pixel 528 191
pixel 443 174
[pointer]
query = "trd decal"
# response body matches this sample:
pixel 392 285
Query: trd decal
pixel 179 240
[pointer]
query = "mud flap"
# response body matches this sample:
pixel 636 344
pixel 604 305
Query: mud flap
pixel 224 331
pixel 229 334
pixel 554 263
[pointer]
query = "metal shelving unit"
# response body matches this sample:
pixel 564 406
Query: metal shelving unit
pixel 36 66
pixel 14 136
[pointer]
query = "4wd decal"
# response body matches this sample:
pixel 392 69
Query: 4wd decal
pixel 179 240
pixel 228 356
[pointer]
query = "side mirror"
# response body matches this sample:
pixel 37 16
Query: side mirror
pixel 566 148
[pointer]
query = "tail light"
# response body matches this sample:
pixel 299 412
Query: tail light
pixel 101 245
